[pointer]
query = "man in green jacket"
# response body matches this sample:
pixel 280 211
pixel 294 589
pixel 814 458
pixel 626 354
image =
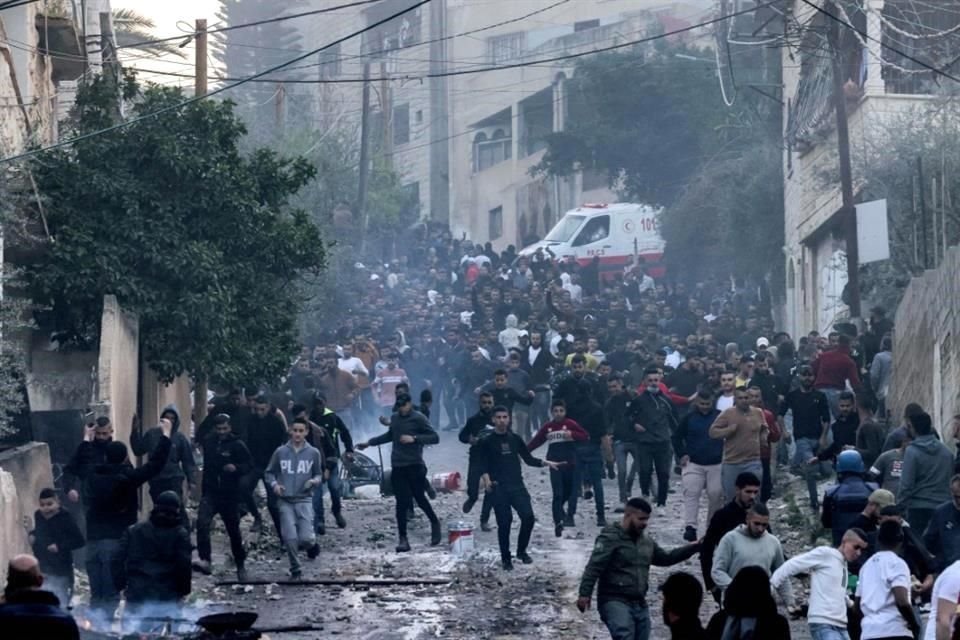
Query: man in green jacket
pixel 620 562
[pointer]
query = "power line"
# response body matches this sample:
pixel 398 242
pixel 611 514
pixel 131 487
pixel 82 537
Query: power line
pixel 490 68
pixel 258 23
pixel 13 4
pixel 195 99
pixel 883 44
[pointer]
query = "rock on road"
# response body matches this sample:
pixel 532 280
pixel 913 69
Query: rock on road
pixel 481 600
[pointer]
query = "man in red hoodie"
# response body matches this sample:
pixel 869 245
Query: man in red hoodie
pixel 833 369
pixel 561 433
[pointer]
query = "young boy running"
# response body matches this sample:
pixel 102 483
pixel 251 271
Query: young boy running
pixel 561 433
pixel 295 470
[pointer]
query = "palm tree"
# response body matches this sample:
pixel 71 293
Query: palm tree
pixel 130 27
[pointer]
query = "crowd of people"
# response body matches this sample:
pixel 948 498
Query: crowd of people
pixel 624 376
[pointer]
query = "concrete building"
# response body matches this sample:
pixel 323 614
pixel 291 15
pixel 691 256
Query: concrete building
pixel 878 91
pixel 464 142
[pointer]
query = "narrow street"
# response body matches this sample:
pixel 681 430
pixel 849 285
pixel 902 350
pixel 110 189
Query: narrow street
pixel 480 601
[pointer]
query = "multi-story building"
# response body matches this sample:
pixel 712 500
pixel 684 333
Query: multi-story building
pixel 880 86
pixel 463 133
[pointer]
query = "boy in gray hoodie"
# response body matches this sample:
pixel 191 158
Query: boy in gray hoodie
pixel 925 475
pixel 295 470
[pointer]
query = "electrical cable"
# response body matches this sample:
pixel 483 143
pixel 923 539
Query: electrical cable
pixel 257 23
pixel 189 101
pixel 490 68
pixel 857 31
pixel 13 4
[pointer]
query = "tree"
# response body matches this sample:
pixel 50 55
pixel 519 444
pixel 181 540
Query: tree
pixel 197 238
pixel 652 120
pixel 244 52
pixel 130 27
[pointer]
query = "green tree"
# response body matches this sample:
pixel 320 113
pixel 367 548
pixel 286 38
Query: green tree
pixel 654 122
pixel 130 27
pixel 196 237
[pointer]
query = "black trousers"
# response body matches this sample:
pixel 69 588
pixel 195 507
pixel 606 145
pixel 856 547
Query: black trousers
pixel 506 500
pixel 766 484
pixel 563 483
pixel 248 488
pixel 473 489
pixel 227 508
pixel 657 456
pixel 409 485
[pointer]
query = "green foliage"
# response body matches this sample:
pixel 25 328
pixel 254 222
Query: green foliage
pixel 130 27
pixel 188 232
pixel 653 121
pixel 886 161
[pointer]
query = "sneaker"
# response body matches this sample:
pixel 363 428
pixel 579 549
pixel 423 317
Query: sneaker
pixel 601 521
pixel 485 526
pixel 618 509
pixel 588 494
pixel 524 557
pixel 203 566
pixel 569 522
pixel 435 535
pixel 468 505
pixel 690 534
pixel 321 529
pixel 403 546
pixel 507 564
pixel 340 521
pixel 558 530
pixel 431 492
pixel 241 574
pixel 296 575
pixel 313 551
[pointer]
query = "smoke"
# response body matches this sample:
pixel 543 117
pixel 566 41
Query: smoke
pixel 160 618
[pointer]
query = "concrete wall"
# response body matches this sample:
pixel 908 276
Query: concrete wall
pixel 118 367
pixel 926 343
pixel 60 380
pixel 13 535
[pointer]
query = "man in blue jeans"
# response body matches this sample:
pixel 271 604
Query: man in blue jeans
pixel 619 567
pixel 811 419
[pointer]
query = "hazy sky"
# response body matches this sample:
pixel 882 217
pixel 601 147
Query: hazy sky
pixel 166 14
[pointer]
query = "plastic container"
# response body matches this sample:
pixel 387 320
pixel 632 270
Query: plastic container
pixel 446 482
pixel 460 537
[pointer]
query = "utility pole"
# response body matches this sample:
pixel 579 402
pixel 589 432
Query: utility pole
pixel 281 100
pixel 924 230
pixel 200 89
pixel 200 62
pixel 386 108
pixel 848 212
pixel 364 158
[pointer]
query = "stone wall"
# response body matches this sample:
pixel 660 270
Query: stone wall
pixel 24 471
pixel 926 344
pixel 118 367
pixel 13 535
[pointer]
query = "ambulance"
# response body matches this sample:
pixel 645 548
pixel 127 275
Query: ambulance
pixel 617 234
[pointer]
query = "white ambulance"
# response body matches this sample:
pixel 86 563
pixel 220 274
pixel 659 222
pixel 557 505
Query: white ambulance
pixel 617 234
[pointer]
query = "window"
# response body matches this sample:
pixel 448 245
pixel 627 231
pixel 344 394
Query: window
pixel 595 230
pixel 506 48
pixel 565 229
pixel 401 124
pixel 419 116
pixel 492 150
pixel 496 223
pixel 586 24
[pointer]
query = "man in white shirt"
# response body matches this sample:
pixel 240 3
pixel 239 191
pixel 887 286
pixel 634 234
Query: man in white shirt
pixel 883 591
pixel 728 383
pixel 943 604
pixel 827 566
pixel 572 286
pixel 351 363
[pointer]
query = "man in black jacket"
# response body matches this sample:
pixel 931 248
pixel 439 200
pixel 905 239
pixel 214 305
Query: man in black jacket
pixel 589 415
pixel 336 431
pixel 654 419
pixel 113 507
pixel 731 516
pixel 264 433
pixel 153 565
pixel 180 464
pixel 616 413
pixel 498 457
pixel 409 431
pixel 30 612
pixel 478 427
pixel 226 460
pixel 538 362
